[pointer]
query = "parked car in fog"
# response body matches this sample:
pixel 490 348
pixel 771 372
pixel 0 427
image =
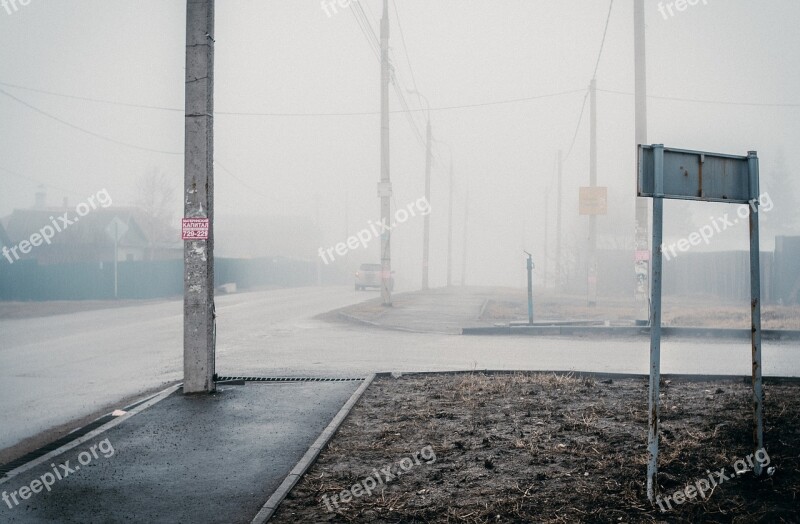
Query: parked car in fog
pixel 369 275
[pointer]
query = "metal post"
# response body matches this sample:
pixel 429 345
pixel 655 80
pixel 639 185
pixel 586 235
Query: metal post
pixel 592 259
pixel 641 272
pixel 530 288
pixel 655 324
pixel 755 309
pixel 385 194
pixel 464 241
pixel 198 301
pixel 116 259
pixel 427 219
pixel 558 223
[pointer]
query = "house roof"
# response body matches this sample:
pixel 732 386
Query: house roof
pixel 87 229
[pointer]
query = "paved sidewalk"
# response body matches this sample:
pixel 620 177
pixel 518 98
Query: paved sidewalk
pixel 440 310
pixel 204 458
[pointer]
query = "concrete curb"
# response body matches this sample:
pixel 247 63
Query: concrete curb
pixel 767 334
pixel 310 456
pixel 92 434
pixel 355 320
pixel 597 375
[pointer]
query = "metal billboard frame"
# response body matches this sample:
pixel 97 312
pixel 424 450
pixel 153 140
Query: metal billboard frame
pixel 709 177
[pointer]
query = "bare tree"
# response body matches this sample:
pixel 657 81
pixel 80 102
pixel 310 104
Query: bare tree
pixel 156 199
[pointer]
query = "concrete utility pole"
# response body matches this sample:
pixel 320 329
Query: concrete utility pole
pixel 427 221
pixel 592 258
pixel 385 186
pixel 426 241
pixel 464 241
pixel 450 229
pixel 558 223
pixel 198 255
pixel 641 234
pixel 546 234
pixel 319 230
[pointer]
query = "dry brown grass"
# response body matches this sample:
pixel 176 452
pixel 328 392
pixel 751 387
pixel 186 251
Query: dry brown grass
pixel 543 447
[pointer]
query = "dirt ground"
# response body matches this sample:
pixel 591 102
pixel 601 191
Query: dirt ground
pixel 695 312
pixel 539 447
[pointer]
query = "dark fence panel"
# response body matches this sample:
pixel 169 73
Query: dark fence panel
pixel 26 280
pixel 786 286
pixel 724 274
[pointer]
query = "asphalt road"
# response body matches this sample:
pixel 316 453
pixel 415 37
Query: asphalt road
pixel 60 368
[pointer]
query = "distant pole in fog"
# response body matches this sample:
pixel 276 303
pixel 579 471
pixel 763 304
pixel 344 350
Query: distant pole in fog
pixel 426 236
pixel 198 197
pixel 385 186
pixel 641 233
pixel 464 242
pixel 319 231
pixel 591 279
pixel 427 221
pixel 558 224
pixel 347 215
pixel 450 229
pixel 546 234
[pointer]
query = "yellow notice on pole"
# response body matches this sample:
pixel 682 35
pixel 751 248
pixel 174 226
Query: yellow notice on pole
pixel 593 201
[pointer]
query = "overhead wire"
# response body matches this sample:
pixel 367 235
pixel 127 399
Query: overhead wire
pixel 700 101
pixel 594 76
pixel 408 57
pixel 603 41
pixel 432 109
pixel 38 182
pixel 83 130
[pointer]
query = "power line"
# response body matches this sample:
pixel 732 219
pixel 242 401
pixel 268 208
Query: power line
pixel 577 127
pixel 38 182
pixel 245 184
pixel 370 113
pixel 372 39
pixel 594 75
pixel 700 101
pixel 327 114
pixel 88 99
pixel 86 131
pixel 366 29
pixel 405 48
pixel 603 42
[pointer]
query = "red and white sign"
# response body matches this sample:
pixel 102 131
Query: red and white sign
pixel 195 229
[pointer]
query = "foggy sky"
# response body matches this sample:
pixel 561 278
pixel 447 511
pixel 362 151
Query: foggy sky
pixel 289 56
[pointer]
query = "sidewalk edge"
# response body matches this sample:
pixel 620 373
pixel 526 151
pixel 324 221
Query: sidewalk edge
pixel 92 434
pixel 310 456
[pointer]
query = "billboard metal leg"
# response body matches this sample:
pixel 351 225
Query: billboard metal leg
pixel 655 326
pixel 755 311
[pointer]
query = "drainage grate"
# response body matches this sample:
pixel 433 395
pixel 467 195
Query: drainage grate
pixel 287 379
